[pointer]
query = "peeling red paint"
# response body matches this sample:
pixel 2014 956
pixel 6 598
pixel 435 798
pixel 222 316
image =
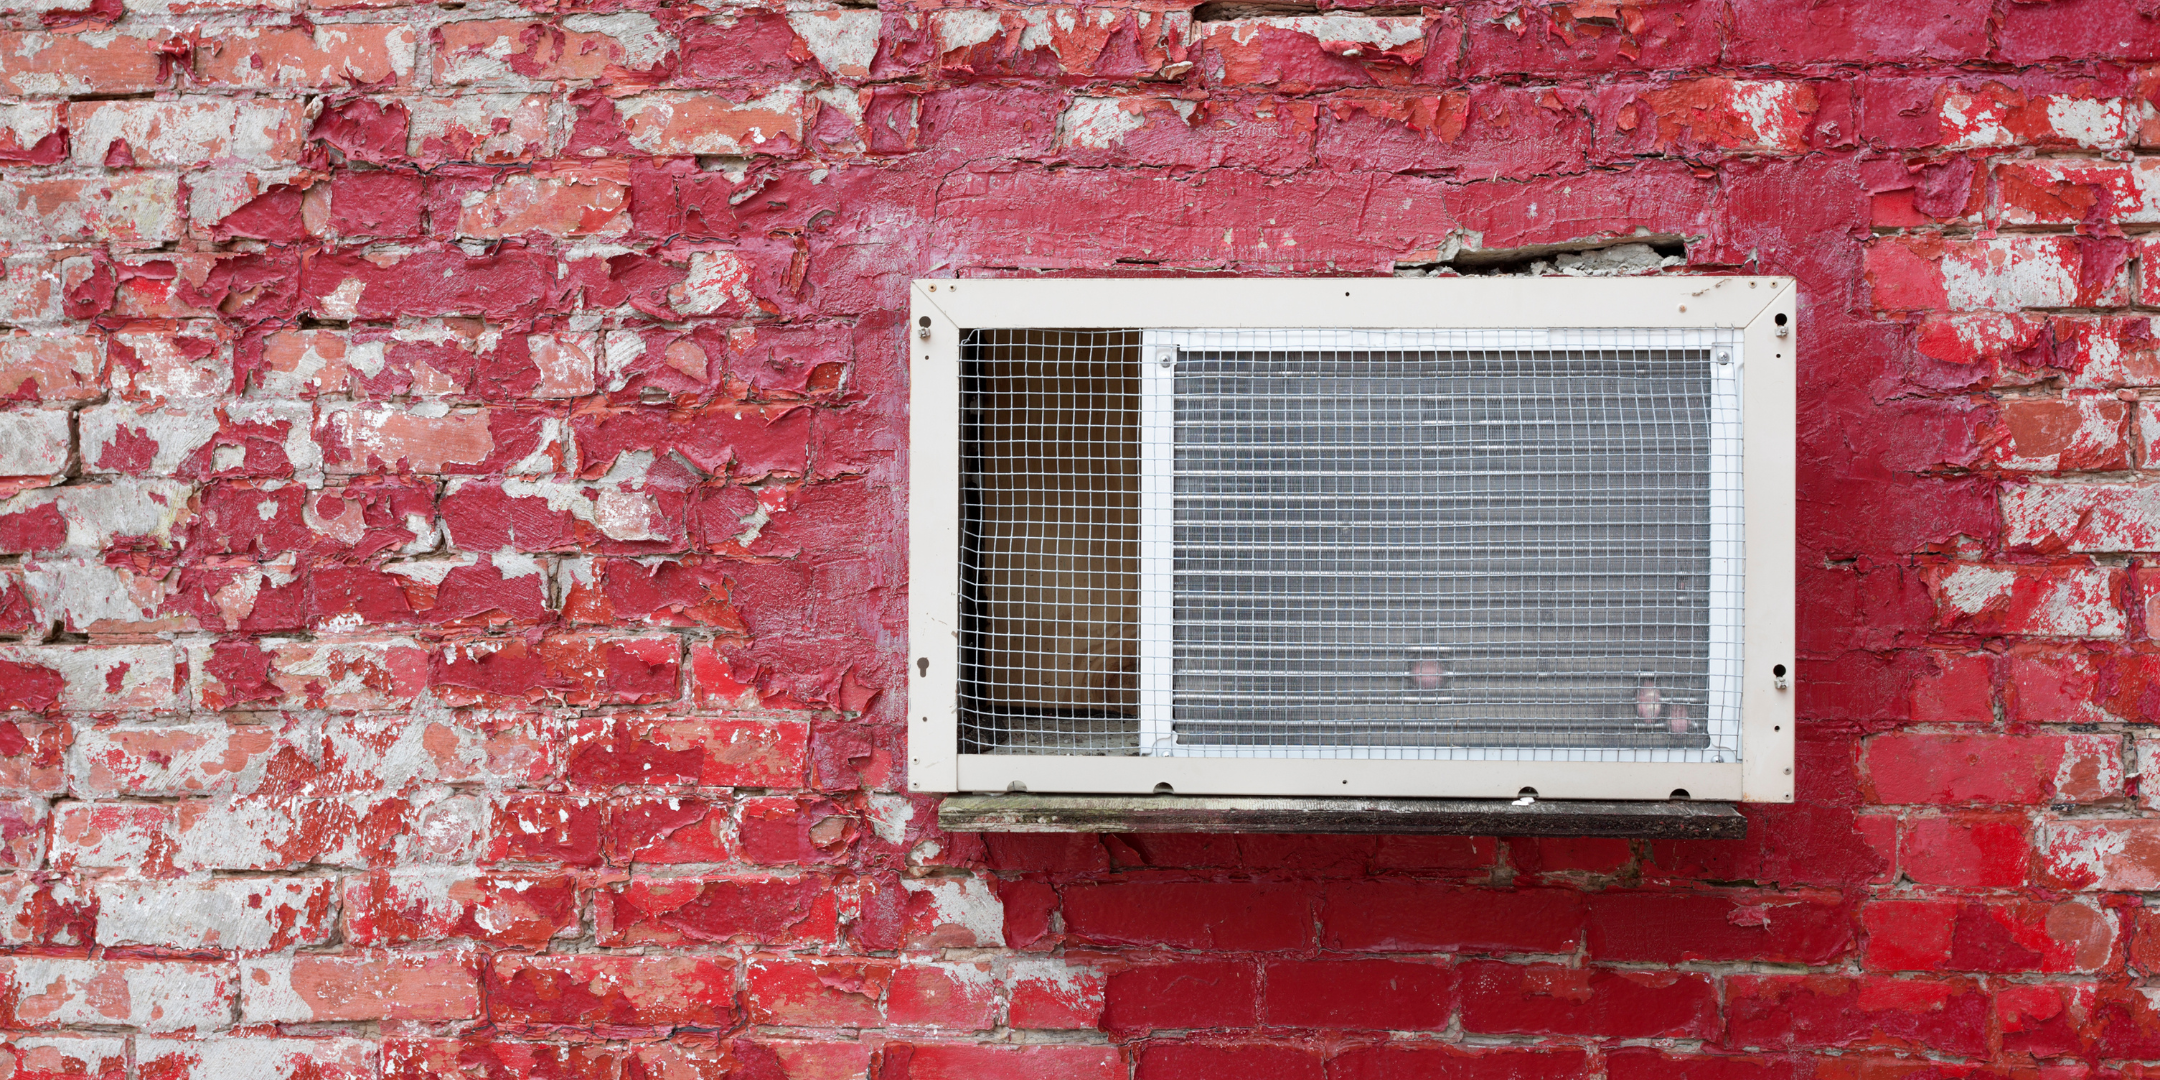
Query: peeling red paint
pixel 453 620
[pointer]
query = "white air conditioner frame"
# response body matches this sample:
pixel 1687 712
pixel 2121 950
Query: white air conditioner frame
pixel 1762 309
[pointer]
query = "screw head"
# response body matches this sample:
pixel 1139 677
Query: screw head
pixel 1165 357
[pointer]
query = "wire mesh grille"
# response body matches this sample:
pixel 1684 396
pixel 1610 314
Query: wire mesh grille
pixel 1050 541
pixel 1423 544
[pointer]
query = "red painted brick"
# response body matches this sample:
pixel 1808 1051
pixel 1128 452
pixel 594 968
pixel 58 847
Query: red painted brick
pixel 1201 1060
pixel 1377 995
pixel 802 992
pixel 554 829
pixel 659 830
pixel 662 911
pixel 1968 850
pixel 517 910
pixel 950 996
pixel 1648 1063
pixel 445 420
pixel 1992 769
pixel 1799 928
pixel 785 831
pixel 1407 1061
pixel 1547 999
pixel 1189 994
pixel 967 1061
pixel 575 669
pixel 2083 28
pixel 1193 916
pixel 645 991
pixel 1054 995
pixel 2051 1020
pixel 1989 936
pixel 2075 432
pixel 1820 1011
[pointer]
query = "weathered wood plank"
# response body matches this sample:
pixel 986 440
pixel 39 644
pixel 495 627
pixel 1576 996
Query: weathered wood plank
pixel 1461 817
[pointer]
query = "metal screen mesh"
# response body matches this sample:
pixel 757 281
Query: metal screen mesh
pixel 1050 541
pixel 1422 544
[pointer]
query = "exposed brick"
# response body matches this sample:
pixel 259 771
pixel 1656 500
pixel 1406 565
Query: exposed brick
pixel 2074 602
pixel 148 994
pixel 38 63
pixel 50 367
pixel 2114 854
pixel 453 497
pixel 238 915
pixel 331 1058
pixel 387 986
pixel 804 992
pixel 2080 431
pixel 581 48
pixel 324 56
pixel 186 133
pixel 2007 274
pixel 674 123
pixel 2082 517
pixel 66 1057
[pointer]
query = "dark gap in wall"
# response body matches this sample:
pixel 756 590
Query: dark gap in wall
pixel 1612 256
pixel 1226 10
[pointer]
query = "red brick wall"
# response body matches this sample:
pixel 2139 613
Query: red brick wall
pixel 452 563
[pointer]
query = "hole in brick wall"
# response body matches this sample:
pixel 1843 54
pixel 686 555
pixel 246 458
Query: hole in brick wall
pixel 1609 257
pixel 1227 10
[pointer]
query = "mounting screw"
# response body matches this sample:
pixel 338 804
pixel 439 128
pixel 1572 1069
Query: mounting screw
pixel 1724 358
pixel 1165 357
pixel 923 330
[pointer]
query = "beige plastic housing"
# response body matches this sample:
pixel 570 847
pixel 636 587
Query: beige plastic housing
pixel 1762 309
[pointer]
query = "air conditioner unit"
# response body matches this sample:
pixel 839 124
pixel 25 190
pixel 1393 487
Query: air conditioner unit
pixel 1453 537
